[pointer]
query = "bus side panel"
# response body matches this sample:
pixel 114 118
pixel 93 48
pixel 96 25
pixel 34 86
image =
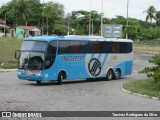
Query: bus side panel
pixel 73 65
pixel 126 67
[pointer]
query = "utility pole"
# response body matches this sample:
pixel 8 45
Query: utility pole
pixel 127 20
pixel 5 19
pixel 102 19
pixel 47 26
pixel 90 18
pixel 68 15
pixel 42 17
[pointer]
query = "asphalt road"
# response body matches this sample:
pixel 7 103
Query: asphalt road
pixel 94 95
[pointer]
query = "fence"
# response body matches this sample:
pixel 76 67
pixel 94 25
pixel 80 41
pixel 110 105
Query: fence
pixel 148 43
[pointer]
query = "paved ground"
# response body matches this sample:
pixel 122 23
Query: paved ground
pixel 95 95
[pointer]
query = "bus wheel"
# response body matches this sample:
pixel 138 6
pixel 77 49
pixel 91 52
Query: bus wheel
pixel 110 75
pixel 60 78
pixel 38 82
pixel 117 74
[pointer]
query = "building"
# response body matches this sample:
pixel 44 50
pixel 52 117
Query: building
pixel 2 28
pixel 27 31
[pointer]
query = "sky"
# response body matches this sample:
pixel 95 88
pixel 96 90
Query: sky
pixel 111 8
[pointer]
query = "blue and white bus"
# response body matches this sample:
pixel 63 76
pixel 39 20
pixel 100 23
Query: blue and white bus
pixel 56 58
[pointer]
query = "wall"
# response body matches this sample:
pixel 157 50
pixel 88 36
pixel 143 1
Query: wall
pixel 19 33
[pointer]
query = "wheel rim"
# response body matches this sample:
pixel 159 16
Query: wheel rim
pixel 117 73
pixel 61 77
pixel 110 75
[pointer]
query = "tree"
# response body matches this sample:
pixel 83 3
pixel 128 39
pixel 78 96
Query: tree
pixel 52 12
pixel 157 16
pixel 80 21
pixel 153 72
pixel 36 16
pixel 22 10
pixel 150 13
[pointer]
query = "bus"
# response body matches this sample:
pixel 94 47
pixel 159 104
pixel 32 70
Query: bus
pixel 60 58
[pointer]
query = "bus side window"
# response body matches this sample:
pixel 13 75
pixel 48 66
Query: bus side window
pixel 129 47
pixel 74 46
pixel 52 47
pixel 63 47
pixel 105 47
pixel 50 57
pixel 115 47
pixel 95 47
pixel 85 47
pixel 123 47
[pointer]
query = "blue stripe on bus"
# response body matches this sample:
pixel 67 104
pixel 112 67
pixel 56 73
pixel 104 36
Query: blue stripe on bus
pixel 92 56
pixel 104 60
pixel 99 56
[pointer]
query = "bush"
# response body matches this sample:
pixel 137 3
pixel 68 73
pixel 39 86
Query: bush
pixel 155 70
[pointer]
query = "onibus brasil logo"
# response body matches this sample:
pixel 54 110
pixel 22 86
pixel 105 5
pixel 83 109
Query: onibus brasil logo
pixel 94 67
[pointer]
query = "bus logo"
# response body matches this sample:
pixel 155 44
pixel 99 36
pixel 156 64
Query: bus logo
pixel 94 67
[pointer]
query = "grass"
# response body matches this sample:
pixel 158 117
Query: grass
pixel 145 87
pixel 8 46
pixel 147 48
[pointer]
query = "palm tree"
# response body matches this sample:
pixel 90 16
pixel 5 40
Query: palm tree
pixel 21 10
pixel 52 11
pixel 157 16
pixel 82 20
pixel 150 13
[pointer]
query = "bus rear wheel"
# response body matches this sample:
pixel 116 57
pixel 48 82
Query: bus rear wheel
pixel 117 74
pixel 110 75
pixel 61 77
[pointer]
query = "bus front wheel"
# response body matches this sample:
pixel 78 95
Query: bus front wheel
pixel 38 82
pixel 61 77
pixel 110 74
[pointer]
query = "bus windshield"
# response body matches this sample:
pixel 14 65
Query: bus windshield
pixel 31 60
pixel 34 46
pixel 32 55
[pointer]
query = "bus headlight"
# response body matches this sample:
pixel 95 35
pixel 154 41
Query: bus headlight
pixel 19 72
pixel 46 75
pixel 38 74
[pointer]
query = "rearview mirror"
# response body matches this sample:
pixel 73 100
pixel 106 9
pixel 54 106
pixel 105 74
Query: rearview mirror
pixel 17 54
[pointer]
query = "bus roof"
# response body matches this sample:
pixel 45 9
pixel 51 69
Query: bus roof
pixel 76 37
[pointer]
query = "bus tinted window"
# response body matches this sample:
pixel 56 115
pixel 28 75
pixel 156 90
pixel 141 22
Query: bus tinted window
pixel 123 47
pixel 74 46
pixel 105 47
pixel 85 47
pixel 129 47
pixel 63 47
pixel 115 47
pixel 95 47
pixel 69 47
pixel 52 47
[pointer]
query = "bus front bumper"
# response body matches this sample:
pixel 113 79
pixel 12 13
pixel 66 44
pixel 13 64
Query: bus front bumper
pixel 30 78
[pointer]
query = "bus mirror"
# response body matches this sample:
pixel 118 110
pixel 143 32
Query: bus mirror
pixel 17 54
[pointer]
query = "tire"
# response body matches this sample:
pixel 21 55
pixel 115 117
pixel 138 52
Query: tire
pixel 110 75
pixel 60 78
pixel 117 74
pixel 38 82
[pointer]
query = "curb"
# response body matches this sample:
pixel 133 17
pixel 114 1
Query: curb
pixel 8 70
pixel 137 94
